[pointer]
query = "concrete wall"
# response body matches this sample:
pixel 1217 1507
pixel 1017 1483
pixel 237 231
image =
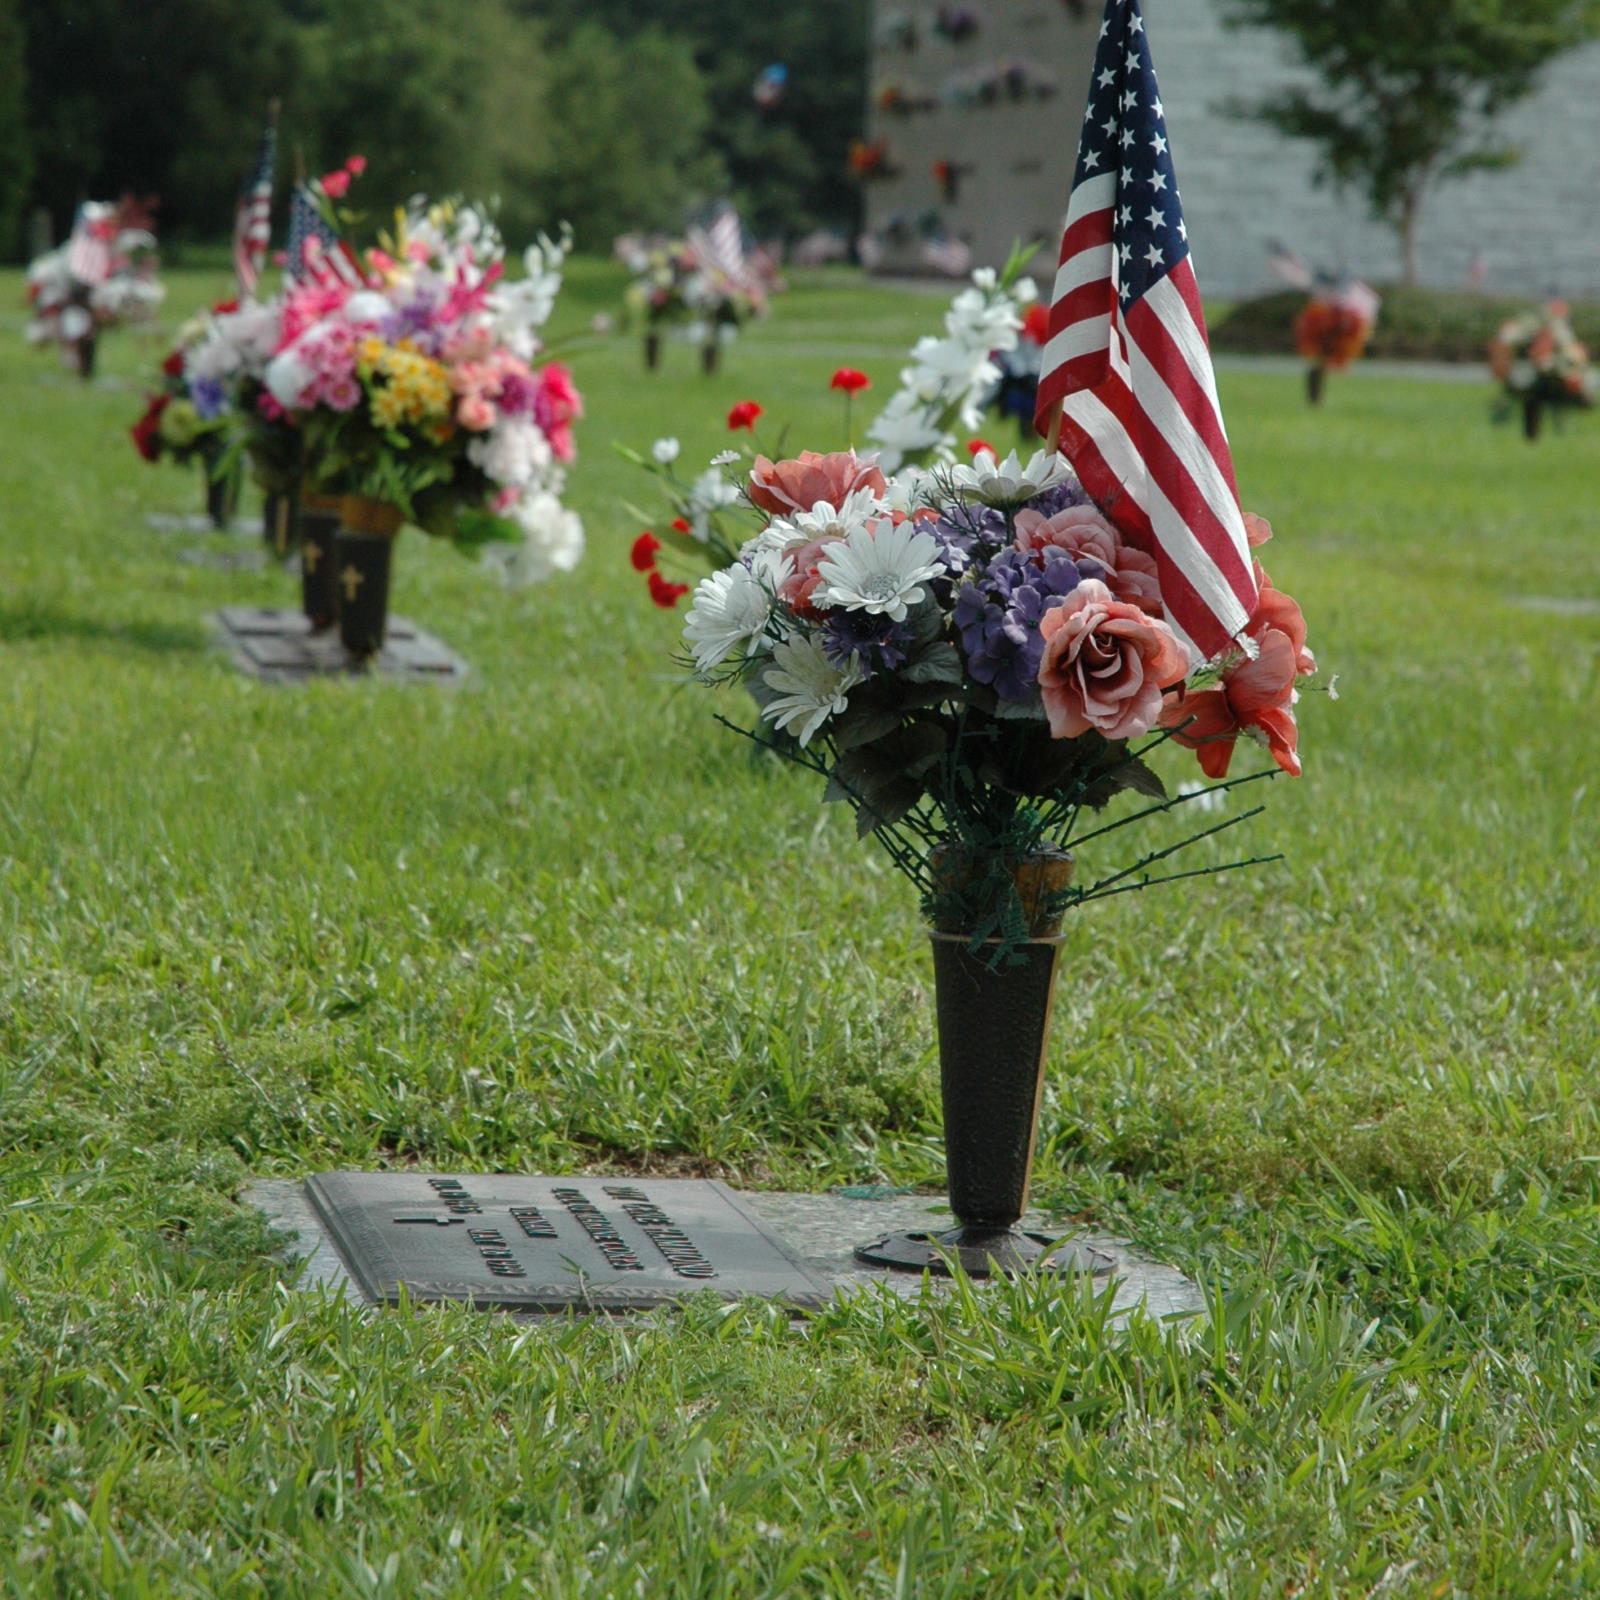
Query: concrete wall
pixel 1537 225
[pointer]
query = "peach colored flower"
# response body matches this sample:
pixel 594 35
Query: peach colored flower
pixel 1254 697
pixel 475 413
pixel 1082 531
pixel 797 588
pixel 785 487
pixel 1105 665
pixel 1256 529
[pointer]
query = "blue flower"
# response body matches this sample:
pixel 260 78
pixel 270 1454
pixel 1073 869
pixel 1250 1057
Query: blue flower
pixel 210 399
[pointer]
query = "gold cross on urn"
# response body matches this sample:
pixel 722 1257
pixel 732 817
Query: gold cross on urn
pixel 352 580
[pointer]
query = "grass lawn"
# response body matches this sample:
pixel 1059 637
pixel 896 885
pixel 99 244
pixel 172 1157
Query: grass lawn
pixel 562 921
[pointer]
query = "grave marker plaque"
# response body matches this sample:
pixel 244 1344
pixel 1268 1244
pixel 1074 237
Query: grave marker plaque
pixel 555 1244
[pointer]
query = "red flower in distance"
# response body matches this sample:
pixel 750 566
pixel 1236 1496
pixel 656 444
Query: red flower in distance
pixel 145 431
pixel 356 165
pixel 681 525
pixel 975 445
pixel 336 184
pixel 851 381
pixel 666 595
pixel 743 415
pixel 1036 324
pixel 173 365
pixel 643 554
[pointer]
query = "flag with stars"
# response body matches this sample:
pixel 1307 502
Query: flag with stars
pixel 1126 374
pixel 316 253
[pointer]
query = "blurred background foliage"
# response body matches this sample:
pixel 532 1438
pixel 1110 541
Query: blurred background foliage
pixel 609 113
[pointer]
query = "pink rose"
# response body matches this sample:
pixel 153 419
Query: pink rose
pixel 1082 532
pixel 475 413
pixel 336 185
pixel 1105 664
pixel 785 487
pixel 796 590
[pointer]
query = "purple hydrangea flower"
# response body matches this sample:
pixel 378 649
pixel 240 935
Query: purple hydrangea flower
pixel 210 401
pixel 1066 494
pixel 998 614
pixel 867 643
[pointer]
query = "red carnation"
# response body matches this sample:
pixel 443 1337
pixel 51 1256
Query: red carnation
pixel 681 525
pixel 145 432
pixel 975 445
pixel 1036 324
pixel 173 365
pixel 643 555
pixel 743 415
pixel 851 381
pixel 666 595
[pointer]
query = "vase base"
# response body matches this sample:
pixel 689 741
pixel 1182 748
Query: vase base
pixel 981 1252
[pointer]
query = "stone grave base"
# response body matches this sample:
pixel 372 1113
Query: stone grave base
pixel 198 522
pixel 533 1246
pixel 277 646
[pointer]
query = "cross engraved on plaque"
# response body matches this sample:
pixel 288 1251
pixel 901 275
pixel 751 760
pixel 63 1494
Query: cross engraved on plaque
pixel 310 555
pixel 352 579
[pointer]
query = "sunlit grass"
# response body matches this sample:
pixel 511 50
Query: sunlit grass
pixel 561 919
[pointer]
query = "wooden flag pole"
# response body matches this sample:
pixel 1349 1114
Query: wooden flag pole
pixel 1052 437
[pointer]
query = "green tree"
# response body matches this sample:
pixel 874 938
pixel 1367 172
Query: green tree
pixel 787 165
pixel 439 96
pixel 1410 90
pixel 16 152
pixel 162 100
pixel 625 122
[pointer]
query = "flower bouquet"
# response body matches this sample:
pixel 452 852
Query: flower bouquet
pixel 411 379
pixel 187 419
pixel 1541 365
pixel 708 288
pixel 1333 328
pixel 103 277
pixel 976 660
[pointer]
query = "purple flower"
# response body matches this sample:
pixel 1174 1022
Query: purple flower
pixel 867 643
pixel 209 399
pixel 517 394
pixel 1059 498
pixel 998 614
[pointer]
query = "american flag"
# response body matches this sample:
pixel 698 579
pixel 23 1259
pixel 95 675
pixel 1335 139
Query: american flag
pixel 252 216
pixel 89 248
pixel 316 253
pixel 719 245
pixel 1127 371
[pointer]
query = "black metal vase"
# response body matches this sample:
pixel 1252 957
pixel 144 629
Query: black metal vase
pixel 652 350
pixel 222 487
pixel 1532 416
pixel 363 555
pixel 710 356
pixel 86 351
pixel 319 573
pixel 1316 375
pixel 994 1027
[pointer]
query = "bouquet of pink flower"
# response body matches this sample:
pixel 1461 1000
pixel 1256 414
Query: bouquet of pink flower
pixel 969 656
pixel 413 376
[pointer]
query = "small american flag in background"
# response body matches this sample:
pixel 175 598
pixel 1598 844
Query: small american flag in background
pixel 719 245
pixel 89 248
pixel 252 216
pixel 316 253
pixel 1127 370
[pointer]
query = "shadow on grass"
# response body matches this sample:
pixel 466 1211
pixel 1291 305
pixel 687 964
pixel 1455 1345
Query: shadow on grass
pixel 19 623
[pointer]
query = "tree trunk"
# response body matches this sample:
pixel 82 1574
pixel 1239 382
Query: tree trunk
pixel 1410 221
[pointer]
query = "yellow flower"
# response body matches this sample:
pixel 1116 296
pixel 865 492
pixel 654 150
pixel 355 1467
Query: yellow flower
pixel 388 411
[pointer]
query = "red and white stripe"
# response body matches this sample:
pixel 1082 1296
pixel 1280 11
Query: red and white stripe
pixel 1140 422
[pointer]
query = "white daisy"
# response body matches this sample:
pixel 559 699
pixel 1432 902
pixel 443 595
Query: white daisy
pixel 1009 482
pixel 730 609
pixel 824 521
pixel 878 571
pixel 708 494
pixel 809 688
pixel 665 451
